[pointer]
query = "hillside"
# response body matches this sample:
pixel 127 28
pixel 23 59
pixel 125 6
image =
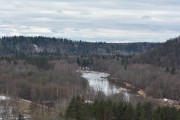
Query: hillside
pixel 165 55
pixel 30 45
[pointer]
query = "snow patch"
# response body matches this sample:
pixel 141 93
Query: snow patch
pixel 36 48
pixel 89 101
pixel 169 101
pixel 3 97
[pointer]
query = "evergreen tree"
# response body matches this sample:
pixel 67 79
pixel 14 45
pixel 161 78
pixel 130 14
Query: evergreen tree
pixel 78 61
pixel 167 69
pixel 106 110
pixel 173 70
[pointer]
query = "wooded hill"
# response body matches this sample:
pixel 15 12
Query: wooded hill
pixel 31 45
pixel 165 55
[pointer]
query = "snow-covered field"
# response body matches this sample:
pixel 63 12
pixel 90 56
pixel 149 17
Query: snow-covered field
pixel 9 109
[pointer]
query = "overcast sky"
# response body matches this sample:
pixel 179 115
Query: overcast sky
pixel 92 20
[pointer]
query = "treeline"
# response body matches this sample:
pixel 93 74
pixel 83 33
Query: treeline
pixel 44 45
pixel 108 110
pixel 90 60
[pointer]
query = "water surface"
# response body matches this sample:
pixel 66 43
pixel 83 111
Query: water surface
pixel 99 82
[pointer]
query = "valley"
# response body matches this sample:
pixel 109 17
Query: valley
pixel 45 77
pixel 89 60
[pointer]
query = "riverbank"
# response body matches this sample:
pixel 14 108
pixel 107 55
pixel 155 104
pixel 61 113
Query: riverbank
pixel 141 92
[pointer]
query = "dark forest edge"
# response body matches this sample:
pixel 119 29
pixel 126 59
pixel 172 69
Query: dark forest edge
pixel 31 45
pixel 108 110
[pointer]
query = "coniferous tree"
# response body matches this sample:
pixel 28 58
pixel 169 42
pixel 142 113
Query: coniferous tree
pixel 167 69
pixel 173 70
pixel 78 61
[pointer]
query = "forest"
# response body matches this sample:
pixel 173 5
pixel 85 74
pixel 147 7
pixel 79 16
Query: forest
pixel 165 55
pixel 44 71
pixel 33 45
pixel 107 110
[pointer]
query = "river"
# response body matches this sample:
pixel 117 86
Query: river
pixel 99 82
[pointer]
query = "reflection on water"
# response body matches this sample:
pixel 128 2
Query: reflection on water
pixel 99 82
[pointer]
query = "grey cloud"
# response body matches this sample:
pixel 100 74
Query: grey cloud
pixel 92 20
pixel 146 17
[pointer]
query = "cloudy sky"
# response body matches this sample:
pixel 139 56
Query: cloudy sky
pixel 92 20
